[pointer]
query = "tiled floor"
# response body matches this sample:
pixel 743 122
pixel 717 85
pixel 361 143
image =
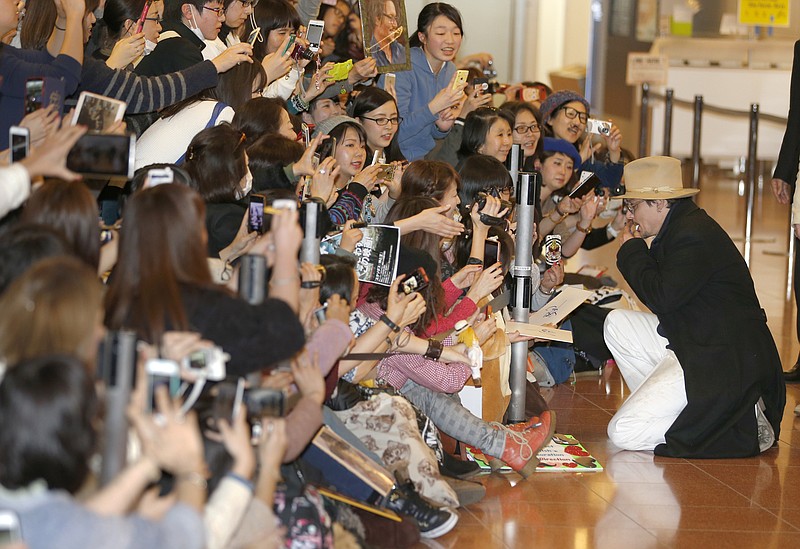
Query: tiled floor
pixel 642 501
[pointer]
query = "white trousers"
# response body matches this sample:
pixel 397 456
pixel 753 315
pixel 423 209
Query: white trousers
pixel 653 375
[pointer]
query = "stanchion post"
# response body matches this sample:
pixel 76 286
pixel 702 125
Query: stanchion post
pixel 668 122
pixel 643 119
pixel 514 159
pixel 116 365
pixel 696 134
pixel 309 251
pixel 752 167
pixel 527 196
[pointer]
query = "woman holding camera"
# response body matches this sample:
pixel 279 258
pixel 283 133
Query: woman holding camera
pixel 162 282
pixel 428 94
pixel 565 115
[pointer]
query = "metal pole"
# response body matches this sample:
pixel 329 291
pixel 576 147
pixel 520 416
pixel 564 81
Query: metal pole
pixel 309 251
pixel 117 366
pixel 752 166
pixel 514 162
pixel 643 119
pixel 527 196
pixel 696 133
pixel 668 122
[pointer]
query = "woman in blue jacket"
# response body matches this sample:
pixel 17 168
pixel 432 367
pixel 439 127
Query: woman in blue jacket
pixel 425 94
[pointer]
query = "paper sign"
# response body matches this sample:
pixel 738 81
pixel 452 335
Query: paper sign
pixel 539 332
pixel 769 13
pixel 645 68
pixel 557 309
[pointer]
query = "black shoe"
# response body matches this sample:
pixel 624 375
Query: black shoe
pixel 455 468
pixel 432 522
pixel 793 375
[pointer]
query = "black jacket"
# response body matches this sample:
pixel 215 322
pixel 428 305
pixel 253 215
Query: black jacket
pixel 786 168
pixel 173 54
pixel 697 283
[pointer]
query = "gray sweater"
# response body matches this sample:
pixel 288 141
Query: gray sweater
pixel 54 519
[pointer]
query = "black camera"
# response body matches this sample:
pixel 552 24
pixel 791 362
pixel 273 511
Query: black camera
pixel 415 282
pixel 490 219
pixel 301 52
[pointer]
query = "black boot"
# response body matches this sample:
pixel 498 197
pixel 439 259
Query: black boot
pixel 793 375
pixel 433 522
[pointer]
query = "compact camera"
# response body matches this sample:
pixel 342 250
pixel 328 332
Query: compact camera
pixel 208 363
pixel 415 282
pixel 598 127
pixel 301 52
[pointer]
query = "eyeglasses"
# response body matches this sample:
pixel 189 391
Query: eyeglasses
pixel 629 207
pixel 220 11
pixel 397 120
pixel 392 18
pixel 522 129
pixel 154 19
pixel 572 113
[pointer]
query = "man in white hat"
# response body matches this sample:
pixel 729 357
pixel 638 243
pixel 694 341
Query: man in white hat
pixel 703 370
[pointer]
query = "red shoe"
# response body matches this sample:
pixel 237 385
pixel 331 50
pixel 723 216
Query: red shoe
pixel 525 440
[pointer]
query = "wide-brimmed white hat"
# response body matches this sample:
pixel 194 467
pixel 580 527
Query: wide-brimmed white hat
pixel 654 178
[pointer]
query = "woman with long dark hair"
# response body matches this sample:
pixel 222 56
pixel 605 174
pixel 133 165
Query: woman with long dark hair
pixel 162 282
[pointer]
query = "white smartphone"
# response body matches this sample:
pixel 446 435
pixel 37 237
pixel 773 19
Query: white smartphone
pixel 10 531
pixel 254 36
pixel 314 34
pixel 20 140
pixel 161 372
pixel 388 80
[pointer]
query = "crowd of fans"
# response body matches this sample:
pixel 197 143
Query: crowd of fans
pixel 230 114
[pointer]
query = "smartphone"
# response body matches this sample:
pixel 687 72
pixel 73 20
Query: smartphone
pixel 289 45
pixel 208 363
pixel 491 253
pixel 386 173
pixel 480 85
pixel 587 182
pixel 306 134
pixel 333 147
pixel 264 402
pixel 143 16
pixel 161 373
pixel 255 216
pixel 314 34
pixel 10 531
pixel 20 140
pixel 158 176
pixel 598 127
pixel 530 94
pixel 461 78
pixel 552 249
pixel 319 314
pixel 98 112
pixel 34 88
pixel 254 34
pixel 415 282
pixel 389 80
pixel 340 71
pixel 103 156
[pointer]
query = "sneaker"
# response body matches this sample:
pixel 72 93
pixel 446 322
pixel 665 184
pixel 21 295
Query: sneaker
pixel 455 468
pixel 432 522
pixel 766 435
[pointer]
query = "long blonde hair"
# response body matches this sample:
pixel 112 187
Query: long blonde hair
pixel 52 308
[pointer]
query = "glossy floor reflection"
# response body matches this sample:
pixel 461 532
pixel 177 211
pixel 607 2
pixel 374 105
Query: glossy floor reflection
pixel 642 501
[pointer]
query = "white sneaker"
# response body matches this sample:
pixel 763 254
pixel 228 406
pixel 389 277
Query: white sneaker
pixel 766 435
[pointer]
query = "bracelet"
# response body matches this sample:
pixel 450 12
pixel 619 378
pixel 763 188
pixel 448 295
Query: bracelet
pixel 560 219
pixel 195 478
pixel 587 230
pixel 388 321
pixel 541 291
pixel 559 211
pixel 435 349
pixel 474 261
pixel 298 103
pixel 612 232
pixel 59 28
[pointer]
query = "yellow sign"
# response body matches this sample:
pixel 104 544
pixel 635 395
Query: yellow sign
pixel 768 13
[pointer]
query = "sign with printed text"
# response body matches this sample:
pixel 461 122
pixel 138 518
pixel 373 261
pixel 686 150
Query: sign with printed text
pixel 644 68
pixel 768 13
